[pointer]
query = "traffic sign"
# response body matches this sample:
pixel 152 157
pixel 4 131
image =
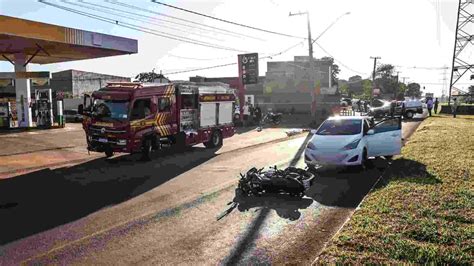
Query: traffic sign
pixel 248 68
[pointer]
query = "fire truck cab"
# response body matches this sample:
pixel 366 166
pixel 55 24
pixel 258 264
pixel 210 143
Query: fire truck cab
pixel 140 117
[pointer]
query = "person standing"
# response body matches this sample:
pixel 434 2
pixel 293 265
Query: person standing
pixel 436 103
pixel 454 107
pixel 258 115
pixel 429 105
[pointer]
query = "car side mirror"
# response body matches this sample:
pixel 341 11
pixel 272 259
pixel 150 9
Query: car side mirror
pixel 80 109
pixel 370 132
pixel 313 131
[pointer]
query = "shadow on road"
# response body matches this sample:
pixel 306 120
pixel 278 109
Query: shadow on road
pixel 44 199
pixel 345 187
pixel 285 206
pixel 285 209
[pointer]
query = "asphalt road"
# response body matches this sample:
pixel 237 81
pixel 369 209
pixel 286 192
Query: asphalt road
pixel 123 211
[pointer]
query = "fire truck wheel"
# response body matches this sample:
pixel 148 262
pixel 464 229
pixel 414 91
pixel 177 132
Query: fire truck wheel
pixel 146 149
pixel 109 153
pixel 215 141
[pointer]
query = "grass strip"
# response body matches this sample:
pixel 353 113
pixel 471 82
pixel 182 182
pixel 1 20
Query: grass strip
pixel 423 209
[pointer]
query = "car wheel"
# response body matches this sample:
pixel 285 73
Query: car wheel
pixel 364 161
pixel 409 114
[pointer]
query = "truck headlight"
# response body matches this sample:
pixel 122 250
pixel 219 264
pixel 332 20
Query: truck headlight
pixel 352 145
pixel 122 142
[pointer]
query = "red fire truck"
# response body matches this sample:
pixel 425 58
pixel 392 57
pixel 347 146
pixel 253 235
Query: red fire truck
pixel 139 117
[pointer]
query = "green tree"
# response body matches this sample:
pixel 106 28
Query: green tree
pixel 386 80
pixel 401 91
pixel 344 89
pixel 366 89
pixel 413 90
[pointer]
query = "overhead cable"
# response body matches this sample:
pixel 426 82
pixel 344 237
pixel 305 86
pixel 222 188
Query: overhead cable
pixel 227 21
pixel 142 29
pixel 177 18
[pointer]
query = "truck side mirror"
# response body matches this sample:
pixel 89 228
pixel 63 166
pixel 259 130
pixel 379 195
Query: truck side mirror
pixel 80 109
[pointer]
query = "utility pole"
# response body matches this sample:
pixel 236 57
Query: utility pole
pixel 397 88
pixel 311 64
pixel 373 74
pixel 375 64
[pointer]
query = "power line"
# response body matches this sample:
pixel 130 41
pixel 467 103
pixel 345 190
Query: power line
pixel 237 35
pixel 199 59
pixel 230 64
pixel 142 29
pixel 136 19
pixel 339 62
pixel 227 21
pixel 180 19
pixel 424 68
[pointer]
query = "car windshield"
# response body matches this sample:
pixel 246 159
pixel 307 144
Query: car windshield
pixel 340 127
pixel 117 110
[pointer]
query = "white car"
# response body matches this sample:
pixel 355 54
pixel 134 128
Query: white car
pixel 351 140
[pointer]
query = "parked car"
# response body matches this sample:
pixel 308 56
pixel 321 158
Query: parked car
pixel 351 140
pixel 407 109
pixel 72 116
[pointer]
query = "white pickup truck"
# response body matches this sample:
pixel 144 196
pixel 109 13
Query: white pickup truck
pixel 407 109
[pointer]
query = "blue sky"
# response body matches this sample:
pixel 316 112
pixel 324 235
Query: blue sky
pixel 402 32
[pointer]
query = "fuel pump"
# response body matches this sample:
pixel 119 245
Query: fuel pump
pixel 5 115
pixel 44 108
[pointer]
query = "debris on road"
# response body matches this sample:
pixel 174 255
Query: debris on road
pixel 291 182
pixel 294 131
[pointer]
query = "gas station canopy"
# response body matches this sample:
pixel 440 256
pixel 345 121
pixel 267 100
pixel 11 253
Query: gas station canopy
pixel 46 43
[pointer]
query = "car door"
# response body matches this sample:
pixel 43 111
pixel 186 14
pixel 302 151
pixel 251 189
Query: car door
pixel 386 138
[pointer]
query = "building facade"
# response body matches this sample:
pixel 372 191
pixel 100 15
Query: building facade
pixel 286 86
pixel 76 83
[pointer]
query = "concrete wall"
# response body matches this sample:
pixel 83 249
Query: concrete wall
pixel 71 104
pixel 78 82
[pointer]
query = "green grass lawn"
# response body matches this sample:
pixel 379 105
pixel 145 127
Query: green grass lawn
pixel 423 208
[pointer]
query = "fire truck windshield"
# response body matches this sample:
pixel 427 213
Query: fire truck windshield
pixel 117 110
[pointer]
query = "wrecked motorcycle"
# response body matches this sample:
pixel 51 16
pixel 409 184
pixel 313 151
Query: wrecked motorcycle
pixel 293 181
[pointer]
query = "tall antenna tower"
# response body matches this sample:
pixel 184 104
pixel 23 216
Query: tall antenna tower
pixel 463 38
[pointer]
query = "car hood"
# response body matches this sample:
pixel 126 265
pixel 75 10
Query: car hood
pixel 333 143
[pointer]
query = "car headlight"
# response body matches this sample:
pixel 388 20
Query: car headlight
pixel 352 145
pixel 311 146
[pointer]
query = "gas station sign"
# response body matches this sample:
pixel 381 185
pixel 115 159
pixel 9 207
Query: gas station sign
pixel 248 68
